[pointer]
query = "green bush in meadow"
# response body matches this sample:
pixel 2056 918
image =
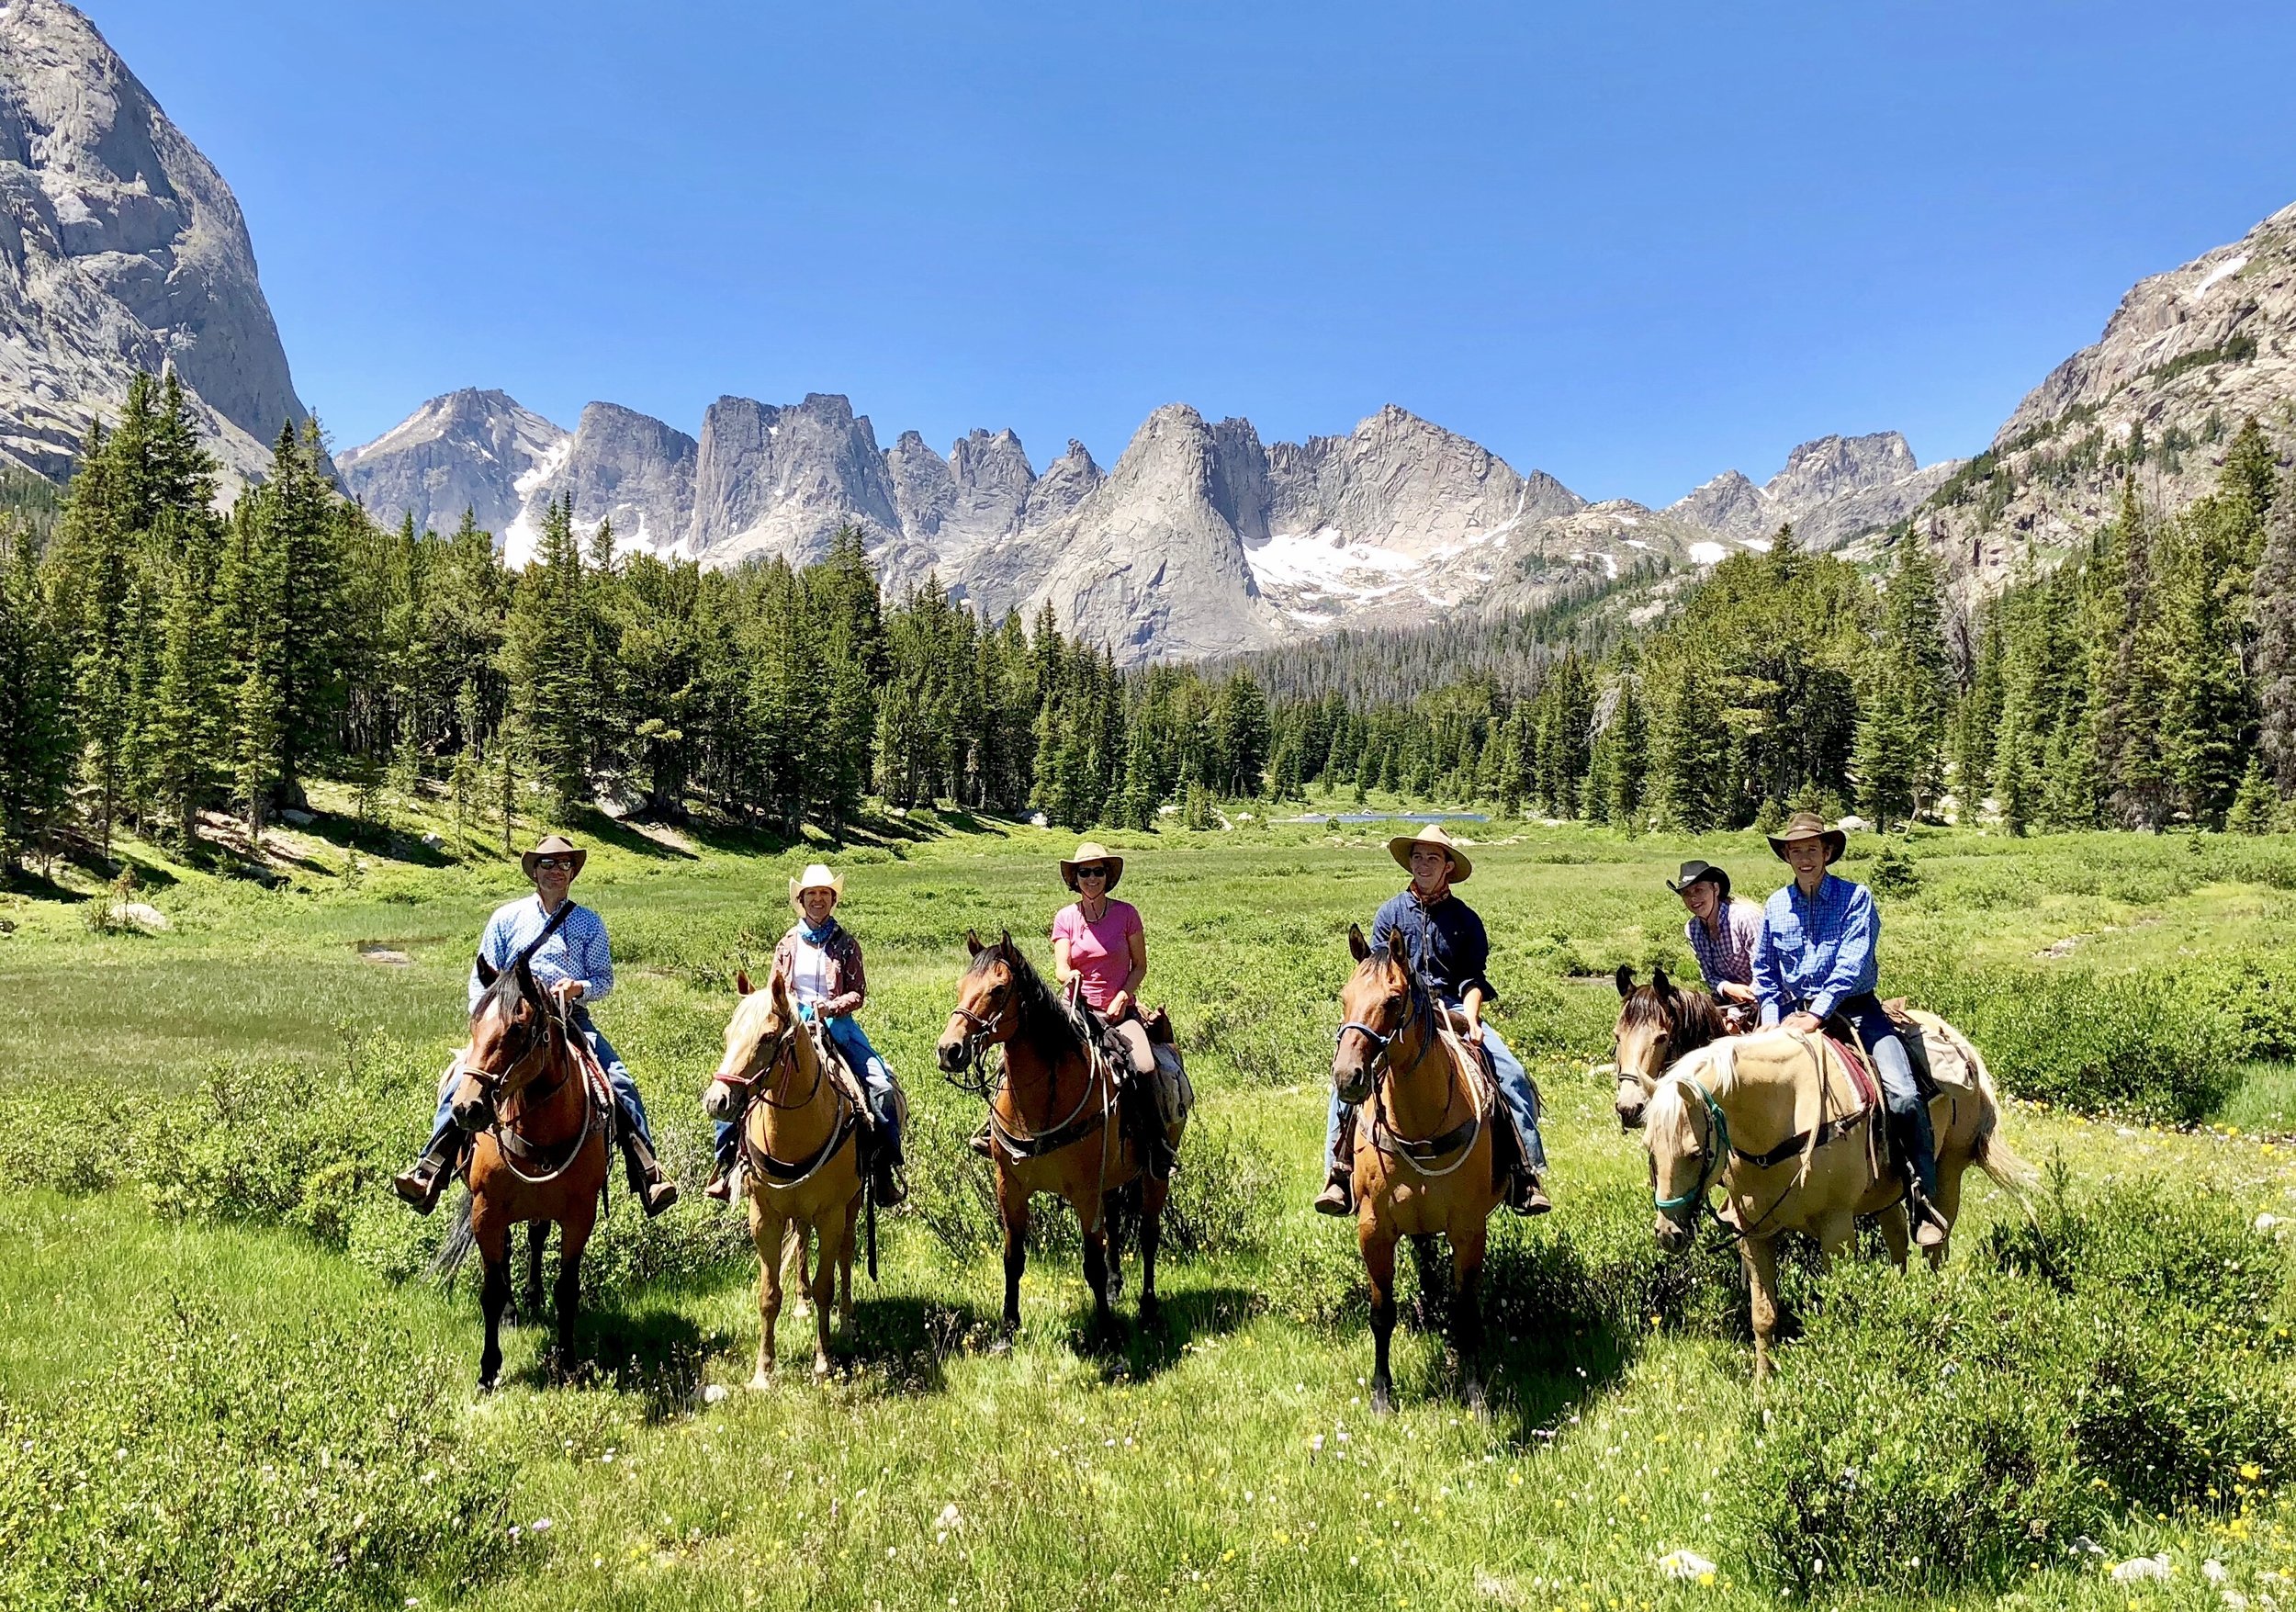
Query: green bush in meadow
pixel 215 1468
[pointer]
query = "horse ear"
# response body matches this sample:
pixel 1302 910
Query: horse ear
pixel 1661 984
pixel 487 973
pixel 972 944
pixel 1399 951
pixel 1358 947
pixel 741 981
pixel 1625 979
pixel 1003 944
pixel 781 989
pixel 527 987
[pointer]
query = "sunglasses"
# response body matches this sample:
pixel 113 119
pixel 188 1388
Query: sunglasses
pixel 556 864
pixel 1092 872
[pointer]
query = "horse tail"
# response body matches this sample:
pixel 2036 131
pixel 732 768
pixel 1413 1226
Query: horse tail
pixel 456 1248
pixel 1987 1151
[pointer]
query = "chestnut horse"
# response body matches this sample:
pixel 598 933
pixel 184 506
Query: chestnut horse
pixel 801 1156
pixel 1424 1141
pixel 1054 1121
pixel 527 1089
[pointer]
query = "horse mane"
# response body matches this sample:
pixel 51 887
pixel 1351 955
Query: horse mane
pixel 1692 1021
pixel 1666 1119
pixel 1041 1013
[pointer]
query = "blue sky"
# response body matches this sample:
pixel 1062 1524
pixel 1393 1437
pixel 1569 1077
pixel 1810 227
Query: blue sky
pixel 1631 246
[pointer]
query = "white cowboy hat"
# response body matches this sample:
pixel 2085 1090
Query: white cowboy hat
pixel 817 876
pixel 1401 846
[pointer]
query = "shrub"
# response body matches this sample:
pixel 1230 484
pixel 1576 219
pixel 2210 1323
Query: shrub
pixel 1894 873
pixel 221 1469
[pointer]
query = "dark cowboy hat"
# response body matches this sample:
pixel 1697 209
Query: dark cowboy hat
pixel 1399 848
pixel 554 845
pixel 1811 826
pixel 1091 851
pixel 1693 870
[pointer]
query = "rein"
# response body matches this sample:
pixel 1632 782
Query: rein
pixel 758 1088
pixel 1415 1152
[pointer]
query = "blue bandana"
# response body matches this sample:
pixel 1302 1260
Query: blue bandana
pixel 817 937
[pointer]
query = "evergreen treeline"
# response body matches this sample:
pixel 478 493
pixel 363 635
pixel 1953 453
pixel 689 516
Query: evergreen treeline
pixel 161 663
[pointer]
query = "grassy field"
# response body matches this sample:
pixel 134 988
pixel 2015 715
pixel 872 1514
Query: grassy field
pixel 197 1124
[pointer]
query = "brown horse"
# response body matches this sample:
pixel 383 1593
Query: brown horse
pixel 801 1152
pixel 1657 1023
pixel 1423 1146
pixel 1771 1120
pixel 1054 1123
pixel 539 1155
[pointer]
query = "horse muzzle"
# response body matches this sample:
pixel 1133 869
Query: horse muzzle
pixel 1629 1104
pixel 1353 1084
pixel 721 1099
pixel 1672 1234
pixel 952 1053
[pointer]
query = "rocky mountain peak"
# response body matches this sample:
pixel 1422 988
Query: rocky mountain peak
pixel 120 249
pixel 472 450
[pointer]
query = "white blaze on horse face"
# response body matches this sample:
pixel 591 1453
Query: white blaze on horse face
pixel 752 1024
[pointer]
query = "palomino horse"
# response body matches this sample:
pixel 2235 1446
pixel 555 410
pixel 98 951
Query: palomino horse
pixel 1054 1121
pixel 1769 1119
pixel 1424 1142
pixel 540 1152
pixel 801 1153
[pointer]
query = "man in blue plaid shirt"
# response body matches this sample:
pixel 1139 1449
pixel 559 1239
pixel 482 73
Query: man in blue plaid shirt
pixel 1815 962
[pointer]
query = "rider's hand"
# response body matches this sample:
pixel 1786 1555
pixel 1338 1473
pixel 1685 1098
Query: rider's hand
pixel 1118 1004
pixel 568 990
pixel 1807 1023
pixel 1734 992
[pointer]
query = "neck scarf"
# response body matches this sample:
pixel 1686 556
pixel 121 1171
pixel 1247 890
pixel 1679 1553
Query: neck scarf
pixel 817 937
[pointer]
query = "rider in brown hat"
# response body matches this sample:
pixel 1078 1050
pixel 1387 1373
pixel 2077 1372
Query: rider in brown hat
pixel 569 957
pixel 1723 931
pixel 1815 962
pixel 1449 951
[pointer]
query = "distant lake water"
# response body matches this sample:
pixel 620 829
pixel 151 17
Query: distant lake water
pixel 1391 817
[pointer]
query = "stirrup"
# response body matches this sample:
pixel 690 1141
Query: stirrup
pixel 1336 1198
pixel 720 1186
pixel 1529 1198
pixel 981 1144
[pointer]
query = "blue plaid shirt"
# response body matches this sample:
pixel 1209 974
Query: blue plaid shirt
pixel 576 951
pixel 1728 958
pixel 1815 951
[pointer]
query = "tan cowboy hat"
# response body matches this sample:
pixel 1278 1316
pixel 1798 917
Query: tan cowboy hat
pixel 1811 826
pixel 817 876
pixel 1400 849
pixel 1091 850
pixel 553 845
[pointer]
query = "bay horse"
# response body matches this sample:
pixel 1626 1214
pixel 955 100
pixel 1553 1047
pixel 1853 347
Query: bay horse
pixel 1657 1023
pixel 1424 1140
pixel 1750 1116
pixel 801 1152
pixel 1054 1123
pixel 540 1122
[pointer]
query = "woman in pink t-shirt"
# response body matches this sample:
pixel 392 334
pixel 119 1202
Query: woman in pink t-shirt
pixel 1098 945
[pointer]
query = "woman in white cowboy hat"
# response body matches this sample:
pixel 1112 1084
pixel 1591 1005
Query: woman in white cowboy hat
pixel 822 964
pixel 1100 947
pixel 567 953
pixel 1448 950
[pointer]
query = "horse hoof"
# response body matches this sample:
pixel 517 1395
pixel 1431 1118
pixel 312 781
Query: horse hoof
pixel 760 1379
pixel 821 1366
pixel 1477 1403
pixel 1382 1402
pixel 1001 1344
pixel 1151 1309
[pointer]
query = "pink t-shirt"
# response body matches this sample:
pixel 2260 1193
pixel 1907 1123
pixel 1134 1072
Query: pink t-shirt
pixel 1101 952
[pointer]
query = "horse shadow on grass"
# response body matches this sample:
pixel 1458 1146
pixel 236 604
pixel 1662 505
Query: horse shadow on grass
pixel 1135 1352
pixel 655 1355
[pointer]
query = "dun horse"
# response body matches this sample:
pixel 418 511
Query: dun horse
pixel 1054 1123
pixel 1773 1119
pixel 540 1153
pixel 801 1153
pixel 1423 1146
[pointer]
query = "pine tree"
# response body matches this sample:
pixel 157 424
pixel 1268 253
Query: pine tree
pixel 259 723
pixel 1689 748
pixel 36 749
pixel 2274 610
pixel 2254 804
pixel 548 649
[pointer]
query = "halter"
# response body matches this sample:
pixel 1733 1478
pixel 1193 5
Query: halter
pixel 1379 1063
pixel 1713 1155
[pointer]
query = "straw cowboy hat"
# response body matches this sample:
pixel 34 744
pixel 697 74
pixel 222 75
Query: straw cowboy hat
pixel 1400 849
pixel 1811 826
pixel 817 876
pixel 553 845
pixel 1091 850
pixel 1693 871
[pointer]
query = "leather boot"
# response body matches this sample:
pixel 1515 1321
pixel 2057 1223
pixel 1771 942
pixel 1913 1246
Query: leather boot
pixel 720 1184
pixel 1527 1197
pixel 884 1162
pixel 647 1184
pixel 422 1182
pixel 1910 1139
pixel 1338 1196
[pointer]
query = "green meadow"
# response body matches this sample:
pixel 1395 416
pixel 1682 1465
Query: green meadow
pixel 226 1378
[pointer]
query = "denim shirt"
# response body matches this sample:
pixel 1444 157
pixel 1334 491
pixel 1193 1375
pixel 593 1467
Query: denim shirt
pixel 1445 943
pixel 1815 951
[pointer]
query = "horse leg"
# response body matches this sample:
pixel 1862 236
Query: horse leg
pixel 1422 1269
pixel 794 1276
pixel 537 1235
pixel 1152 1196
pixel 1759 1256
pixel 1012 1209
pixel 1948 1205
pixel 828 1231
pixel 1096 1279
pixel 573 1237
pixel 765 1231
pixel 1892 1222
pixel 1378 1244
pixel 494 1293
pixel 845 1264
pixel 1112 1216
pixel 1466 1309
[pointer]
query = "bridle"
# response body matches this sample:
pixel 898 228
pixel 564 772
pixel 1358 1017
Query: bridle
pixel 987 1030
pixel 756 1085
pixel 1381 1063
pixel 1711 1155
pixel 539 1037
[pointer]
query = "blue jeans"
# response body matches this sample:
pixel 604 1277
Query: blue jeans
pixel 876 1079
pixel 1893 1069
pixel 627 1100
pixel 1514 1090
